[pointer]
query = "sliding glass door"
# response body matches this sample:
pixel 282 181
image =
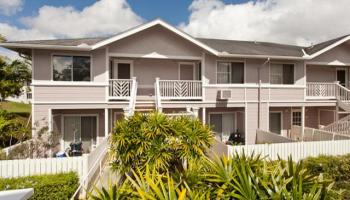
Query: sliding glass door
pixel 80 129
pixel 223 124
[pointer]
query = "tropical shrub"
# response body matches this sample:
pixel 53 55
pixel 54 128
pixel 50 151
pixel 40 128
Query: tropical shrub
pixel 12 130
pixel 58 186
pixel 158 141
pixel 334 168
pixel 239 177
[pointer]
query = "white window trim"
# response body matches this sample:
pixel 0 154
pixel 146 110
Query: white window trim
pixel 282 63
pixel 63 148
pixel 281 120
pixel 186 63
pixel 295 111
pixel 230 61
pixel 71 55
pixel 124 61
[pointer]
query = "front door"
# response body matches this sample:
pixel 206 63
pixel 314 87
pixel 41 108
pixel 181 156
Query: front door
pixel 186 71
pixel 341 77
pixel 275 122
pixel 121 70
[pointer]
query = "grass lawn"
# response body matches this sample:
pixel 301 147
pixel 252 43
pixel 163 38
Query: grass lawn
pixel 15 107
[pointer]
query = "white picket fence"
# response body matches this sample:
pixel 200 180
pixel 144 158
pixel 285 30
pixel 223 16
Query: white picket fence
pixel 82 165
pixel 28 167
pixel 298 150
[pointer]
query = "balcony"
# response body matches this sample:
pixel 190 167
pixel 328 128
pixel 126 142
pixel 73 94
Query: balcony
pixel 180 89
pixel 322 90
pixel 121 89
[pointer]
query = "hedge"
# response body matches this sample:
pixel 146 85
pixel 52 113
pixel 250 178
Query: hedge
pixel 58 186
pixel 335 168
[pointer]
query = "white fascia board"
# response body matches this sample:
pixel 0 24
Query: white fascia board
pixel 149 25
pixel 40 46
pixel 327 48
pixel 228 55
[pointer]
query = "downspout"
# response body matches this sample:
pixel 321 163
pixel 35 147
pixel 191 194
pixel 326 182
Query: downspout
pixel 259 90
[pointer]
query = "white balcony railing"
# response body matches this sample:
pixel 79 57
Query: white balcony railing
pixel 180 89
pixel 120 88
pixel 322 90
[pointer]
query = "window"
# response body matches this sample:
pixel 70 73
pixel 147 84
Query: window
pixel 230 72
pixel 296 118
pixel 282 73
pixel 71 68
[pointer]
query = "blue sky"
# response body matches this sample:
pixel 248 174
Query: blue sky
pixel 173 11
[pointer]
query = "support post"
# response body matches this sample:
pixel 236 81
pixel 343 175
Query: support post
pixel 106 122
pixel 195 111
pixel 302 122
pixel 204 115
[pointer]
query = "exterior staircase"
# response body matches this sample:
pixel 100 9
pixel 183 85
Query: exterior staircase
pixel 341 126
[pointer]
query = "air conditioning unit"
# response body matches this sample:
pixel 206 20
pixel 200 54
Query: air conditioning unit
pixel 225 94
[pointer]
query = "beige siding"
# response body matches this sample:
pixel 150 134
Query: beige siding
pixel 98 70
pixel 320 73
pixel 287 94
pixel 155 40
pixel 212 94
pixel 56 94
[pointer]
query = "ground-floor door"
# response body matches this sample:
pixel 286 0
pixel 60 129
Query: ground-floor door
pixel 223 124
pixel 80 129
pixel 275 122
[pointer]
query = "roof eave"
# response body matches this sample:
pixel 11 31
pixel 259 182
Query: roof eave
pixel 40 46
pixel 261 56
pixel 335 44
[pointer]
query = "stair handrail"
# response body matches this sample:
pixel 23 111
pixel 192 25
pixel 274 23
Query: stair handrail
pixel 342 91
pixel 157 95
pixel 133 93
pixel 93 169
pixel 341 126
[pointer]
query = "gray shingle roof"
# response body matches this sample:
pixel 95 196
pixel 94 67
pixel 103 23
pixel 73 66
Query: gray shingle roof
pixel 317 47
pixel 229 46
pixel 253 48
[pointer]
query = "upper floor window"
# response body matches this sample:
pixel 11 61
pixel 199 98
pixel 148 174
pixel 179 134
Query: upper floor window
pixel 230 72
pixel 71 68
pixel 281 73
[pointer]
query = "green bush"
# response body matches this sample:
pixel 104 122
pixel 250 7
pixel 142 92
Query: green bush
pixel 58 186
pixel 158 140
pixel 335 168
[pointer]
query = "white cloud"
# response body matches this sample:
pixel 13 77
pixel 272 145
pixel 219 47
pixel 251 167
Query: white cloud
pixel 295 22
pixel 104 17
pixel 10 7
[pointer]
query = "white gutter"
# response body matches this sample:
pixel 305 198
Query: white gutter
pixel 40 46
pixel 261 56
